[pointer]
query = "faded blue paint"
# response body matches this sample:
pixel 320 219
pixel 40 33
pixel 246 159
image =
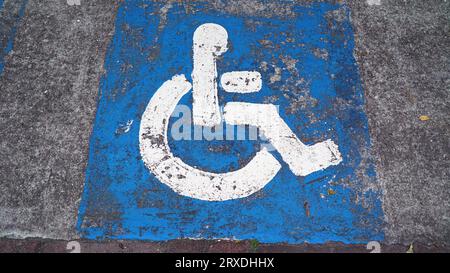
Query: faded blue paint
pixel 123 200
pixel 9 32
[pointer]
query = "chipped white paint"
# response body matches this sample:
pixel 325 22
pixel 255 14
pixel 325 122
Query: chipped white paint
pixel 302 159
pixel 179 176
pixel 210 41
pixel 241 81
pixel 373 2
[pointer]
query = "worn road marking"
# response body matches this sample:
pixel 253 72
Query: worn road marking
pixel 302 159
pixel 304 57
pixel 188 181
pixel 183 178
pixel 210 41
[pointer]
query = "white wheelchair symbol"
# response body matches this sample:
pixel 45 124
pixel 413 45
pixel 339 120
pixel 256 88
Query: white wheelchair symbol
pixel 210 41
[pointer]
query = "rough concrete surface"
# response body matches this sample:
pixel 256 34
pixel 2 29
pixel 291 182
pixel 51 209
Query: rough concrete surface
pixel 49 90
pixel 403 49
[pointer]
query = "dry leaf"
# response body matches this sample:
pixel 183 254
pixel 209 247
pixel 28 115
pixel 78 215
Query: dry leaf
pixel 424 118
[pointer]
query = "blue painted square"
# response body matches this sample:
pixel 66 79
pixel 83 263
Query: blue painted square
pixel 308 69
